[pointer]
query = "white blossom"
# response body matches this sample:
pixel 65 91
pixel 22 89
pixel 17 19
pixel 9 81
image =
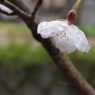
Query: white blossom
pixel 5 8
pixel 66 37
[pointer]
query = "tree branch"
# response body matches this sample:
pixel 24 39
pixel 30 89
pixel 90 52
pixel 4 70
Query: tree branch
pixel 21 12
pixel 21 4
pixel 61 60
pixel 17 10
pixel 36 8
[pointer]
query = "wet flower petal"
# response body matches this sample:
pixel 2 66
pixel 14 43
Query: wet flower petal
pixel 49 29
pixel 5 8
pixel 66 37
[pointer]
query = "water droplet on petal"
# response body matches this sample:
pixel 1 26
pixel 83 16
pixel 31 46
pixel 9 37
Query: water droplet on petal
pixel 44 23
pixel 63 24
pixel 60 28
pixel 76 45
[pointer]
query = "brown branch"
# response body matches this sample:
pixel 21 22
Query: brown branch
pixel 17 10
pixel 36 8
pixel 62 61
pixel 21 4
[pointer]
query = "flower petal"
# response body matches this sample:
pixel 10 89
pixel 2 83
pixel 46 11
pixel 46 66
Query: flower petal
pixel 66 37
pixel 5 8
pixel 71 39
pixel 64 43
pixel 50 29
pixel 80 41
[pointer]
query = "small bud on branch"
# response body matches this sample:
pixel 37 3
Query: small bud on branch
pixel 72 13
pixel 71 16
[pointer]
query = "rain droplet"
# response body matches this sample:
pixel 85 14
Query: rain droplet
pixel 64 24
pixel 60 28
pixel 44 23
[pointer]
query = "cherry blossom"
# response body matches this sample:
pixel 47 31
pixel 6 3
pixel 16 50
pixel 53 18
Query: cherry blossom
pixel 67 37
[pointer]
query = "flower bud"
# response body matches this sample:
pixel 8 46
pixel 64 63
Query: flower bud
pixel 71 16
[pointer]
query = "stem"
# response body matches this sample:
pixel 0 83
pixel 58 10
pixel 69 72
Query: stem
pixel 76 5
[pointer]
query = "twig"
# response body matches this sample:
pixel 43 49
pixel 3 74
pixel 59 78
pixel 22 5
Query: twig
pixel 17 10
pixel 36 8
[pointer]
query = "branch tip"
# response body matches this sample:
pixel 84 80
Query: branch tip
pixel 36 8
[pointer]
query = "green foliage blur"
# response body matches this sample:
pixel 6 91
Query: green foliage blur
pixel 22 50
pixel 88 30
